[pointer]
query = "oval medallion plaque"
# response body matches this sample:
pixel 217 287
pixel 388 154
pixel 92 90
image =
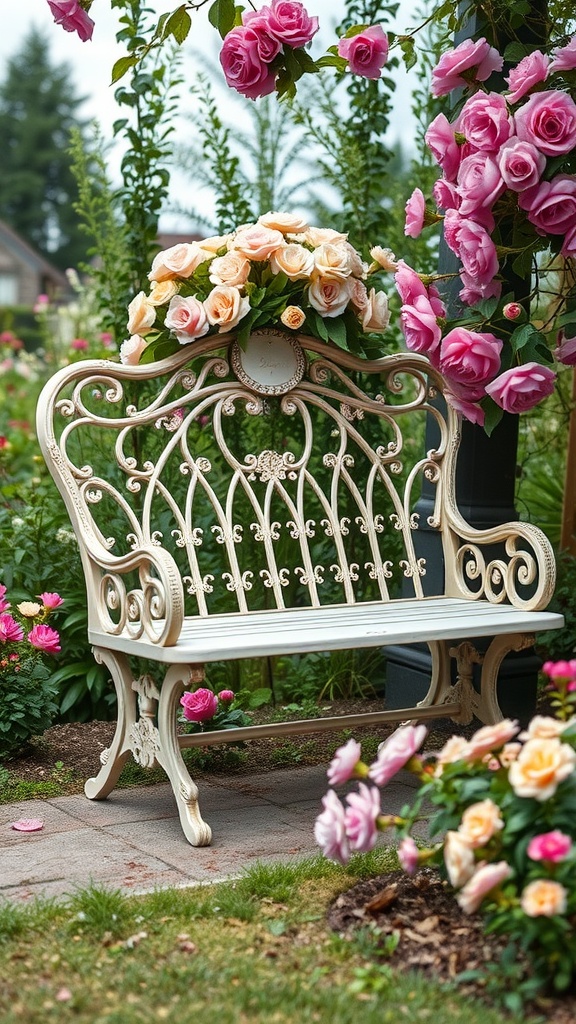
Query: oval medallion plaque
pixel 271 364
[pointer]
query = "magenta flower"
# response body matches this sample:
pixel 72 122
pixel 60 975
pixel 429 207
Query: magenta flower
pixel 361 817
pixel 44 638
pixel 420 327
pixel 344 762
pixel 10 630
pixel 530 71
pixel 408 855
pixel 415 213
pixel 72 17
pixel 4 605
pixel 330 829
pixel 244 69
pixel 470 357
pixel 548 121
pixel 289 21
pixel 522 387
pixel 200 705
pixel 50 600
pixel 470 61
pixel 396 752
pixel 551 846
pixel 366 52
pixel 226 696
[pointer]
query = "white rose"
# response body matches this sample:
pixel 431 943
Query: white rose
pixel 376 315
pixel 284 222
pixel 233 269
pixel 458 858
pixel 225 307
pixel 131 350
pixel 293 260
pixel 317 236
pixel 141 314
pixel 333 261
pixel 178 261
pixel 329 297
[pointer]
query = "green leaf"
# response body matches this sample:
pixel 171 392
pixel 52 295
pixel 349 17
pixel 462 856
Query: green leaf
pixel 332 61
pixel 487 307
pixel 337 332
pixel 72 696
pixel 178 25
pixel 222 15
pixel 122 65
pixel 408 51
pixel 515 51
pixel 522 336
pixel 492 414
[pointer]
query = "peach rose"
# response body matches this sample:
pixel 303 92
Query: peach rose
pixel 131 350
pixel 333 261
pixel 293 317
pixel 376 315
pixel 480 822
pixel 482 882
pixel 287 223
pixel 540 767
pixel 225 307
pixel 141 314
pixel 455 749
pixel 215 242
pixel 233 269
pixel 543 898
pixel 162 291
pixel 458 858
pixel 293 260
pixel 257 242
pixel 317 236
pixel 329 297
pixel 509 753
pixel 490 738
pixel 542 727
pixel 385 258
pixel 178 261
pixel 358 293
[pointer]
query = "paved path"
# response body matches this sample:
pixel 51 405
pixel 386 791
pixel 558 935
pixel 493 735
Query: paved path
pixel 133 840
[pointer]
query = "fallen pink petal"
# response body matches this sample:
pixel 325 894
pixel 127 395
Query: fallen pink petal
pixel 27 825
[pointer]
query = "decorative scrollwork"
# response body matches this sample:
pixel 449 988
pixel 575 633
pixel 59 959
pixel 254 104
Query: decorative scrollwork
pixel 194 537
pixel 295 531
pixel 203 585
pixel 413 567
pixel 270 465
pixel 228 535
pixel 144 742
pixel 379 572
pixel 262 533
pixel 348 573
pixel 499 579
pixel 278 579
pixel 242 582
pixel 306 578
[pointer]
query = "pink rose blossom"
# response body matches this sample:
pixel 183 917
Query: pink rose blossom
pixel 472 60
pixel 565 351
pixel 483 881
pixel 330 829
pixel 420 326
pixel 548 121
pixel 551 846
pixel 551 205
pixel 51 600
pixel 522 387
pixel 473 292
pixel 521 164
pixel 489 738
pixel 512 310
pixel 396 752
pixel 470 357
pixel 10 630
pixel 408 855
pixel 560 669
pixel 530 71
pixel 441 141
pixel 289 22
pixel 199 705
pixel 445 194
pixel 44 638
pixel 226 696
pixel 415 211
pixel 564 57
pixel 366 52
pixel 244 69
pixel 186 317
pixel 477 252
pixel 408 283
pixel 344 762
pixel 468 409
pixel 257 242
pixel 72 17
pixel 569 243
pixel 435 301
pixel 485 121
pixel 479 182
pixel 268 45
pixel 361 817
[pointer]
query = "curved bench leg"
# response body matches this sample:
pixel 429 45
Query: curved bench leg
pixel 487 708
pixel 168 754
pixel 114 758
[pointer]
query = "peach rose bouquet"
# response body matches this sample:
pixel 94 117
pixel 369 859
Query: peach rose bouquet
pixel 505 815
pixel 277 272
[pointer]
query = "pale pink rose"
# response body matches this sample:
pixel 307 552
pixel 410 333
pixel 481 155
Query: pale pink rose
pixel 257 242
pixel 376 315
pixel 408 284
pixel 543 727
pixel 385 258
pixel 293 317
pixel 509 753
pixel 512 310
pixel 178 261
pixel 361 817
pixel 479 183
pixel 44 638
pixel 548 121
pixel 408 855
pixel 415 212
pixel 564 57
pixel 287 223
pixel 72 17
pixel 329 297
pixel 359 294
pixel 317 236
pixel 162 291
pixel 441 141
pixel 540 767
pixel 333 261
pixel 544 898
pixel 551 205
pixel 551 846
pixel 491 737
pixel 233 269
pixel 294 260
pixel 342 765
pixel 522 387
pixel 366 52
pixel 445 194
pixel 187 318
pixel 200 705
pixel 289 21
pixel 530 71
pixel 473 290
pixel 470 61
pixel 565 351
pixel 458 858
pixel 485 121
pixel 244 69
pixel 51 600
pixel 225 307
pixel 131 350
pixel 477 253
pixel 480 822
pixel 267 44
pixel 141 315
pixel 487 878
pixel 330 829
pixel 420 326
pixel 470 357
pixel 521 164
pixel 396 752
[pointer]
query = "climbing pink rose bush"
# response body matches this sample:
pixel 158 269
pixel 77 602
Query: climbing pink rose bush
pixel 502 829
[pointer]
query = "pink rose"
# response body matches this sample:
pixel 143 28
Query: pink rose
pixel 244 69
pixel 569 243
pixel 485 121
pixel 530 71
pixel 226 696
pixel 268 45
pixel 474 291
pixel 396 752
pixel 72 17
pixel 186 317
pixel 361 817
pixel 477 252
pixel 366 52
pixel 512 310
pixel 548 120
pixel 479 183
pixel 10 630
pixel 483 881
pixel 420 326
pixel 441 141
pixel 199 705
pixel 564 57
pixel 408 855
pixel 551 846
pixel 415 211
pixel 408 284
pixel 521 164
pixel 551 205
pixel 470 357
pixel 257 242
pixel 522 387
pixel 468 409
pixel 445 194
pixel 330 829
pixel 490 738
pixel 435 301
pixel 51 600
pixel 470 61
pixel 565 351
pixel 44 638
pixel 344 762
pixel 289 21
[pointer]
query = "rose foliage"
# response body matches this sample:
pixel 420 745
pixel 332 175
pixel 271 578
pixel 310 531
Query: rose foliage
pixel 504 824
pixel 203 710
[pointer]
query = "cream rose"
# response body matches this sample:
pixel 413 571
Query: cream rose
pixel 542 727
pixel 540 767
pixel 162 291
pixel 333 261
pixel 287 223
pixel 385 258
pixel 178 261
pixel 543 898
pixel 131 350
pixel 187 318
pixel 490 737
pixel 358 293
pixel 141 314
pixel 293 260
pixel 317 236
pixel 293 317
pixel 376 315
pixel 257 242
pixel 509 753
pixel 329 297
pixel 233 269
pixel 458 858
pixel 215 242
pixel 225 307
pixel 29 609
pixel 480 822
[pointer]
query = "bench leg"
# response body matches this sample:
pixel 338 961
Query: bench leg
pixel 114 758
pixel 487 708
pixel 168 754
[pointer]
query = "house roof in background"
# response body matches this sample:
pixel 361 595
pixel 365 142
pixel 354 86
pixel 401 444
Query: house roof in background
pixel 31 257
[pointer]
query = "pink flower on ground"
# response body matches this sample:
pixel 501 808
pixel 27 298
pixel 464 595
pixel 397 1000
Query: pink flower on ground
pixel 51 600
pixel 522 387
pixel 564 57
pixel 10 630
pixel 415 212
pixel 344 762
pixel 485 121
pixel 551 846
pixel 289 21
pixel 530 71
pixel 548 121
pixel 330 829
pixel 199 705
pixel 521 164
pixel 470 61
pixel 71 16
pixel 396 752
pixel 490 738
pixel 420 327
pixel 366 52
pixel 469 357
pixel 44 638
pixel 440 138
pixel 512 310
pixel 361 816
pixel 482 882
pixel 408 855
pixel 244 69
pixel 226 696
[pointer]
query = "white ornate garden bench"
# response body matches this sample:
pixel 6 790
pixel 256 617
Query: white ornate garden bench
pixel 235 503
